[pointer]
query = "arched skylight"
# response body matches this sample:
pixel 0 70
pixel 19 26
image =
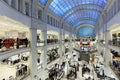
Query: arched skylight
pixel 60 7
pixel 73 10
pixel 85 14
pixel 78 12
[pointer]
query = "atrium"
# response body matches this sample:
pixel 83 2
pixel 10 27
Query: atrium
pixel 60 39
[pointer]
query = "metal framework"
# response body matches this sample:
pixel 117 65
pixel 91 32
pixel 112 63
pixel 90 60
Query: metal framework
pixel 79 11
pixel 87 6
pixel 80 23
pixel 83 25
pixel 84 19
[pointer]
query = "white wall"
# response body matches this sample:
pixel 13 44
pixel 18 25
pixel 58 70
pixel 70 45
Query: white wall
pixel 114 20
pixel 6 10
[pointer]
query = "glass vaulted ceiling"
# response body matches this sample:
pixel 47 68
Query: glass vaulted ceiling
pixel 77 12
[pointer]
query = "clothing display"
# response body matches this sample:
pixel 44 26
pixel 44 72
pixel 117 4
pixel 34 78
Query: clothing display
pixel 21 69
pixel 52 55
pixel 9 43
pixel 20 42
pixel 52 41
pixel 66 40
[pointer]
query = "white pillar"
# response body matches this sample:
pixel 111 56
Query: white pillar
pixel 42 36
pixel 63 38
pixel 33 55
pixel 98 45
pixel 70 43
pixel 44 57
pixel 23 6
pixel 107 54
pixel 34 9
pixel 29 12
pixel 60 48
pixel 16 4
pixel 44 15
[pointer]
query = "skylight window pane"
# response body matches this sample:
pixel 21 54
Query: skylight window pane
pixel 43 1
pixel 68 4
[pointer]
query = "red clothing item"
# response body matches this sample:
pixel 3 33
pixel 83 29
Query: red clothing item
pixel 80 43
pixel 8 43
pixel 88 43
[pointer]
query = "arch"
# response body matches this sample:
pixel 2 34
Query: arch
pixel 84 5
pixel 86 14
pixel 85 22
pixel 83 25
pixel 84 19
pixel 60 7
pixel 65 17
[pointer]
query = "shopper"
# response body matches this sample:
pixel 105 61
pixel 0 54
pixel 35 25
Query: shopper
pixel 18 42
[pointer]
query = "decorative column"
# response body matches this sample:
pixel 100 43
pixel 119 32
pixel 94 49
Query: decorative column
pixel 33 54
pixel 74 38
pixel 63 43
pixel 23 6
pixel 70 43
pixel 60 47
pixel 30 4
pixel 107 54
pixel 44 57
pixel 16 4
pixel 98 45
pixel 33 9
